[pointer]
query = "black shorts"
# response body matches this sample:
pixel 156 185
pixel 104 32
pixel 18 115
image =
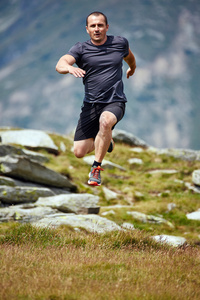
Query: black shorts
pixel 88 124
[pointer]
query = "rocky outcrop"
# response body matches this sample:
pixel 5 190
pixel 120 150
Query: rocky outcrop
pixel 25 213
pixel 122 136
pixel 31 192
pixel 29 138
pixel 71 203
pixel 183 154
pixel 20 194
pixel 29 170
pixel 92 223
pixel 11 150
pixel 149 218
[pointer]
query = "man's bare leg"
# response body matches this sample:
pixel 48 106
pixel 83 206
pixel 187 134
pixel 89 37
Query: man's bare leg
pixel 102 142
pixel 103 138
pixel 83 147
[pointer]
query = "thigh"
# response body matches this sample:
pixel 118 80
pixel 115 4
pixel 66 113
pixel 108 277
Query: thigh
pixel 117 109
pixel 83 147
pixel 108 119
pixel 88 124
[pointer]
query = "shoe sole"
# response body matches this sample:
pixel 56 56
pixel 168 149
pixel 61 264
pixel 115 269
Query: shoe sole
pixel 94 183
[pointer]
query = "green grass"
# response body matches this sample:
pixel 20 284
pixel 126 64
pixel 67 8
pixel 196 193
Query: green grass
pixel 156 190
pixel 62 264
pixel 38 263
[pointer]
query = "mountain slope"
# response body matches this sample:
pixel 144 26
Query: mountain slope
pixel 163 99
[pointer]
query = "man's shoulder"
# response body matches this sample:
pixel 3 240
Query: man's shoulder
pixel 118 38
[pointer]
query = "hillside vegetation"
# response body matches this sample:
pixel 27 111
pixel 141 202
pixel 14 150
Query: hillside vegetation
pixel 138 188
pixel 64 263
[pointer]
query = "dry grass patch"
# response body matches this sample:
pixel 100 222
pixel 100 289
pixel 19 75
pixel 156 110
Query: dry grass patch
pixel 84 273
pixel 117 265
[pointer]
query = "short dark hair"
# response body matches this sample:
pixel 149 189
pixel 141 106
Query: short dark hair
pixel 97 13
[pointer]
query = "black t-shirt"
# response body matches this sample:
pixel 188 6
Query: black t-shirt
pixel 103 66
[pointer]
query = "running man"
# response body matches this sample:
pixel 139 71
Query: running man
pixel 99 63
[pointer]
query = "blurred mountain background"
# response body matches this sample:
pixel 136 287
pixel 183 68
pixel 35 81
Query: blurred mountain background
pixel 163 96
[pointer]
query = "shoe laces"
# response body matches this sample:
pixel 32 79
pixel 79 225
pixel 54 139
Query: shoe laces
pixel 95 171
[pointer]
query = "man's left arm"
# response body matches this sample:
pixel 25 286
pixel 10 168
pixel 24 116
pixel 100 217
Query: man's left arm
pixel 130 60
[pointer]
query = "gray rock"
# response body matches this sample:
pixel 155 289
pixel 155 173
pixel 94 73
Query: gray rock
pixel 194 215
pixel 29 170
pixel 122 136
pixel 128 226
pixel 170 239
pixel 135 161
pixel 7 181
pixel 13 195
pixel 56 191
pixel 170 206
pixel 11 150
pixel 183 154
pixel 149 218
pixel 167 171
pixel 71 203
pixel 137 149
pixel 109 195
pixel 92 223
pixel 138 195
pixel 110 212
pixel 196 177
pixel 194 188
pixel 105 163
pixel 30 138
pixel 24 213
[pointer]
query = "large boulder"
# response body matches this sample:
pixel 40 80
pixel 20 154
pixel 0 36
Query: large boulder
pixel 29 170
pixel 24 213
pixel 20 194
pixel 11 150
pixel 92 223
pixel 29 138
pixel 121 136
pixel 75 203
pixel 7 181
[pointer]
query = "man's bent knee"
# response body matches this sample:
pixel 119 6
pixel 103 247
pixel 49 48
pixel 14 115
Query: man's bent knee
pixel 79 151
pixel 81 148
pixel 107 121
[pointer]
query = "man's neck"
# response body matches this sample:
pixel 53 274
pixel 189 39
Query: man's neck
pixel 96 43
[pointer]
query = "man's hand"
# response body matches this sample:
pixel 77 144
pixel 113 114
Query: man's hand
pixel 130 60
pixel 130 72
pixel 65 66
pixel 77 72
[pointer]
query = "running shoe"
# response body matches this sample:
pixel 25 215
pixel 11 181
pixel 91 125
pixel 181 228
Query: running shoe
pixel 94 176
pixel 111 147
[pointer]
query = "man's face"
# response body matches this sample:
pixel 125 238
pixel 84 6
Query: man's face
pixel 97 29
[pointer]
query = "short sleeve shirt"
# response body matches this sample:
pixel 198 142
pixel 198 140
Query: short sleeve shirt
pixel 103 66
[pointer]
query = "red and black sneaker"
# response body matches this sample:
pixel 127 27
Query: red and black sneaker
pixel 94 176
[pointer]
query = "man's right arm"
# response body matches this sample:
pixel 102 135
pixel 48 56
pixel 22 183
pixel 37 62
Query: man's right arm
pixel 65 66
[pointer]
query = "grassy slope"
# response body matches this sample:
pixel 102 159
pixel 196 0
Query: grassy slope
pixel 64 264
pixel 157 190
